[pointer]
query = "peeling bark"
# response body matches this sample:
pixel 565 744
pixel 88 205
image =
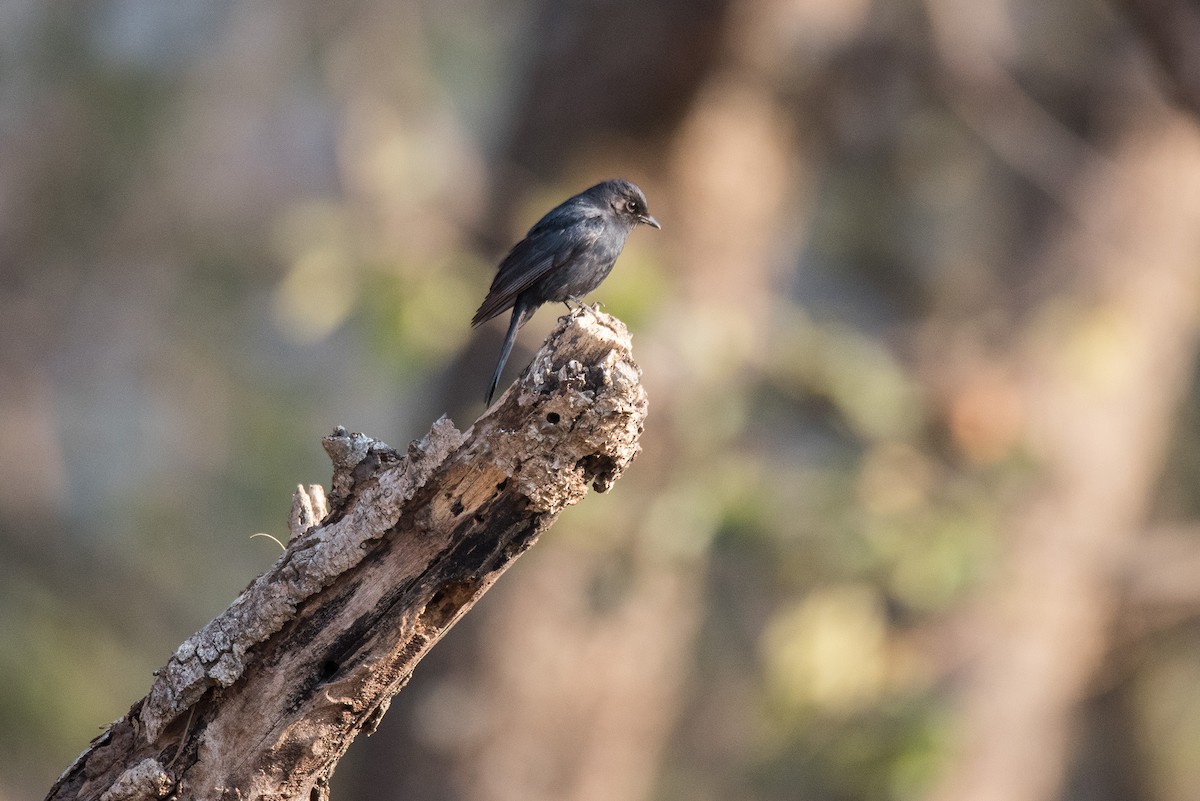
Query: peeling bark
pixel 263 701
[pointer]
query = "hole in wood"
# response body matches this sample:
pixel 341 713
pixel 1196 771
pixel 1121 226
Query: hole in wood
pixel 553 418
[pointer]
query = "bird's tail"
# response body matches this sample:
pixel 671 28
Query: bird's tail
pixel 519 316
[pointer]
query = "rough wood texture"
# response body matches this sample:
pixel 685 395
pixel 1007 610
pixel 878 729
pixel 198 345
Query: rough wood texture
pixel 264 700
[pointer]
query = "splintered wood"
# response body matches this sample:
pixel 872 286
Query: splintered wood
pixel 265 699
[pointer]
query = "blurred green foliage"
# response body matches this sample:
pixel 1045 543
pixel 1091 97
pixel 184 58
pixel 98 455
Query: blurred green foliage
pixel 228 229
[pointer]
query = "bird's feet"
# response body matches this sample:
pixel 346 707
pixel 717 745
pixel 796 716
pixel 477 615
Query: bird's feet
pixel 580 305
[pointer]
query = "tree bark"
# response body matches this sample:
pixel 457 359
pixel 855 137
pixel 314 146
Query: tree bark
pixel 264 700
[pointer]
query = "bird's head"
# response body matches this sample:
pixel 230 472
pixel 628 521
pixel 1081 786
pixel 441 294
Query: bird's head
pixel 628 203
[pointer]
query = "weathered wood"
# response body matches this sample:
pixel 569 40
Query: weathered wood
pixel 264 700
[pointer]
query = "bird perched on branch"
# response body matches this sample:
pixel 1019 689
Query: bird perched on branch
pixel 563 257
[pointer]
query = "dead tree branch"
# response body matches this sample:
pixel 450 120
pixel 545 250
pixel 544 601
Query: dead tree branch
pixel 265 699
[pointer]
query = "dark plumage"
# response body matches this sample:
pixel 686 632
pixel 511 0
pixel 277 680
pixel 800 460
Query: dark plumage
pixel 563 257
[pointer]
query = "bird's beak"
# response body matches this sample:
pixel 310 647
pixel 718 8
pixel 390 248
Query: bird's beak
pixel 646 219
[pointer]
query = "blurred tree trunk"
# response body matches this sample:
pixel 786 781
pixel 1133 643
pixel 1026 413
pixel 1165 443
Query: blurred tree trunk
pixel 1103 368
pixel 1171 29
pixel 587 712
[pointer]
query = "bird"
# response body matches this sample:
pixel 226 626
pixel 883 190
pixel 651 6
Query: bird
pixel 565 255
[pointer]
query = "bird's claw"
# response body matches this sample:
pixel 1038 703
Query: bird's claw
pixel 580 305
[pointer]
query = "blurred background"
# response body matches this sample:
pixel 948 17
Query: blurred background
pixel 916 516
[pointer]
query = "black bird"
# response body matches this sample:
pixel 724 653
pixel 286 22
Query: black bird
pixel 563 257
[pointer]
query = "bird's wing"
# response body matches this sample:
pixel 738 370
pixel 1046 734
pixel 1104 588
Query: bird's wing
pixel 547 246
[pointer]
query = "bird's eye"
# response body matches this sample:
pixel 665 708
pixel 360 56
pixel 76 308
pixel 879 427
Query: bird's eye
pixel 631 206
